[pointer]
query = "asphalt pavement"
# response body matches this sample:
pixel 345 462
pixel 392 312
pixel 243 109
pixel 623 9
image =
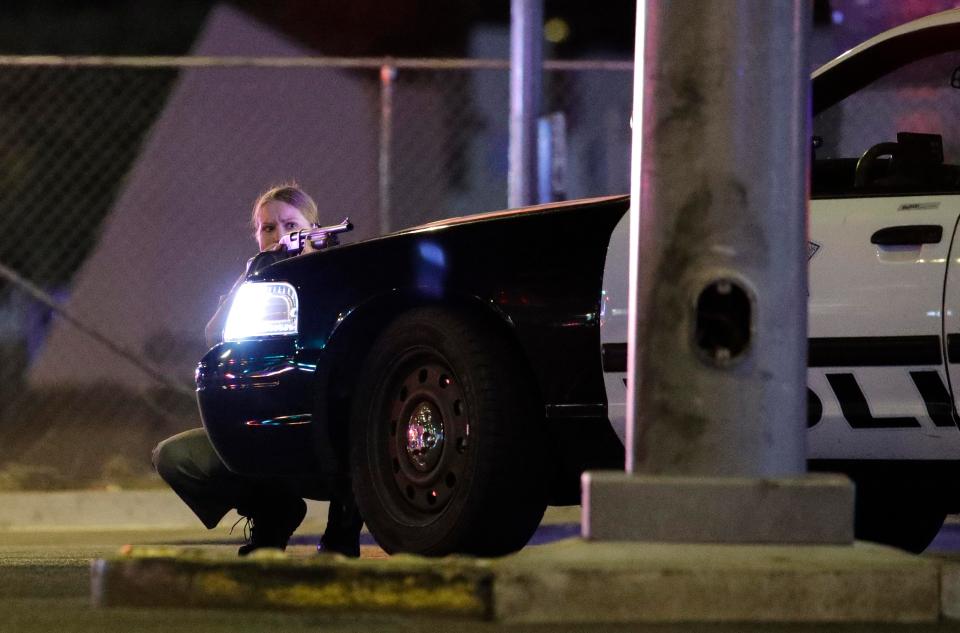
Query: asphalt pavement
pixel 45 588
pixel 46 551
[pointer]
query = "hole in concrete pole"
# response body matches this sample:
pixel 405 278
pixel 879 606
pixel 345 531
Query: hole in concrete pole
pixel 723 321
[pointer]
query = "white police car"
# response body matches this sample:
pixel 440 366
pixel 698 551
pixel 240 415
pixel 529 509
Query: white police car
pixel 884 307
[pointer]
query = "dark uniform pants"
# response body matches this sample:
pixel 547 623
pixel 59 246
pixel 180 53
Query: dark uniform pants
pixel 190 465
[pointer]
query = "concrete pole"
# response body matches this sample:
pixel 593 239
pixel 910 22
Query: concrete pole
pixel 721 293
pixel 718 305
pixel 526 61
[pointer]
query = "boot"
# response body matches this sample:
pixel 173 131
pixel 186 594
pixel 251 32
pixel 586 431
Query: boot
pixel 273 526
pixel 342 535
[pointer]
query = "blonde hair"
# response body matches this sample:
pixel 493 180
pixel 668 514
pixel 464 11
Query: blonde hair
pixel 289 193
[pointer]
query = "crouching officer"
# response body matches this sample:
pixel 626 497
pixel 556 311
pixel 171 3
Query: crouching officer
pixel 274 507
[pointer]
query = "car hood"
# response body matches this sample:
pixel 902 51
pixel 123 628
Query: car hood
pixel 508 213
pixel 416 232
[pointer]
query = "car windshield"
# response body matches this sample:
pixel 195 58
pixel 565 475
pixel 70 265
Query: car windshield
pixel 899 135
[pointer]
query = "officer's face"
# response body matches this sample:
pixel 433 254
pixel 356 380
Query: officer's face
pixel 275 219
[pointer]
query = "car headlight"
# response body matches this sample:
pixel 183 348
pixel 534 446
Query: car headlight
pixel 262 309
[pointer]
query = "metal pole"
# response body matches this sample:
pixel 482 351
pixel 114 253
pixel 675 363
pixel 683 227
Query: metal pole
pixel 388 73
pixel 526 61
pixel 718 332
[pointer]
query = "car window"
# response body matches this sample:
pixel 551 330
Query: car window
pixel 899 135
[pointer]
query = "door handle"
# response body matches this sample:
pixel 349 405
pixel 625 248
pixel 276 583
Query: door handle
pixel 910 235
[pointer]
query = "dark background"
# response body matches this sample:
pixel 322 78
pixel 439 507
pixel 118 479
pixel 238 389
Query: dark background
pixel 434 28
pixel 427 28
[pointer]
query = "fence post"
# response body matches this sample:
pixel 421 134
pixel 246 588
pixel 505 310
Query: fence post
pixel 552 158
pixel 388 74
pixel 526 62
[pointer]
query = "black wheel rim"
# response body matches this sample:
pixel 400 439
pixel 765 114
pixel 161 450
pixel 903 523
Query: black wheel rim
pixel 422 437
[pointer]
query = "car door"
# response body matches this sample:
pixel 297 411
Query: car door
pixel 876 378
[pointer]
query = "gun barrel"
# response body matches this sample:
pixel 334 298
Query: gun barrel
pixel 319 232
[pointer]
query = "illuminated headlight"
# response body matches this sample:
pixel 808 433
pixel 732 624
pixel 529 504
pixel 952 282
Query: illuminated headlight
pixel 262 309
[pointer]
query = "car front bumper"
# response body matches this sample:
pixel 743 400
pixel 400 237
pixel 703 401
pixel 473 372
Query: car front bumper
pixel 256 401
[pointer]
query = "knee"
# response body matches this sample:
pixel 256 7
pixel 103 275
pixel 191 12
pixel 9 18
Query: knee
pixel 165 458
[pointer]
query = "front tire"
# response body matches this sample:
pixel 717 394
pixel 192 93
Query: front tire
pixel 447 442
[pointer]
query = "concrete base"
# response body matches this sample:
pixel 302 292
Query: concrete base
pixel 812 509
pixel 567 581
pixel 950 587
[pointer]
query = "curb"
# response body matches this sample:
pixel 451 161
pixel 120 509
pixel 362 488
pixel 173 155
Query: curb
pixel 161 577
pixel 566 581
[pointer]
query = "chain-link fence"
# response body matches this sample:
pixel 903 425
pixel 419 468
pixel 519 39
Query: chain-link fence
pixel 125 194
